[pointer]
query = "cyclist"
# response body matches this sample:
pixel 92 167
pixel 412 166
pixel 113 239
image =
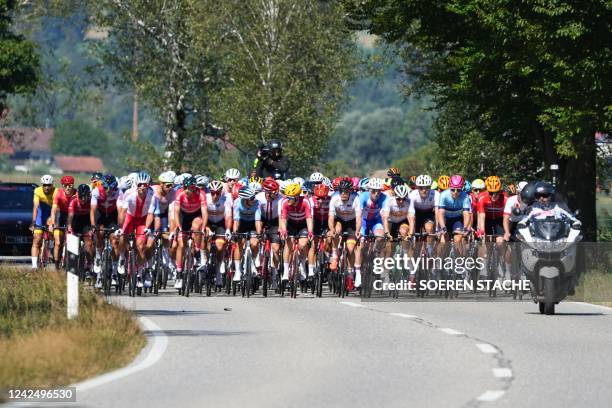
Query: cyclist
pixel 316 178
pixel 371 203
pixel 269 202
pixel 510 219
pixel 247 220
pixel 395 219
pixel 231 179
pixel 139 206
pixel 43 201
pixel 79 221
pixel 320 202
pixel 103 213
pixel 190 214
pixel 423 211
pixel 454 210
pixel 165 193
pixel 96 180
pixel 125 184
pixel 490 217
pixel 59 214
pixel 345 216
pixel 443 183
pixel 219 226
pixel 296 220
pixel 478 186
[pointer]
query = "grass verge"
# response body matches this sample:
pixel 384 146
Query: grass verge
pixel 595 287
pixel 40 347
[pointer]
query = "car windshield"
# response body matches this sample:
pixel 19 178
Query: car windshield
pixel 16 198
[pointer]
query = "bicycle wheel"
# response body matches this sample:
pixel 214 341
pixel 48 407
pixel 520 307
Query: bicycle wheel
pixel 248 274
pixel 132 272
pixel 295 266
pixel 210 269
pixel 107 268
pixel 319 275
pixel 188 272
pixel 265 272
pixel 492 271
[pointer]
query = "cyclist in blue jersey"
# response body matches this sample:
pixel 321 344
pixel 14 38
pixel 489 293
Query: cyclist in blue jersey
pixel 371 203
pixel 247 219
pixel 454 210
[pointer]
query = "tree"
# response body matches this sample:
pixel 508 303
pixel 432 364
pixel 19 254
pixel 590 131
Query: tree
pixel 291 62
pixel 79 138
pixel 532 73
pixel 18 59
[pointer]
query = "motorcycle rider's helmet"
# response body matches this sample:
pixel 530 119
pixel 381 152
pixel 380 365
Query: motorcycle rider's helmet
pixel 528 193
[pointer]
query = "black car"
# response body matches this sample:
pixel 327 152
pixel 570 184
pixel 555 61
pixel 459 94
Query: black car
pixel 16 204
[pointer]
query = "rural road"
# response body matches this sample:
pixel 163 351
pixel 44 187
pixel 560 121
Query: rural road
pixel 308 352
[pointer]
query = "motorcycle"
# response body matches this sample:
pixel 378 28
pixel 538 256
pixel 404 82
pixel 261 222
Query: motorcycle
pixel 548 250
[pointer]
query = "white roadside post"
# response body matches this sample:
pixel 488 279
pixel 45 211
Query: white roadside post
pixel 72 284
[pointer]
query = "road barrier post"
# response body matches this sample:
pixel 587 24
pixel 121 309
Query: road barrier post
pixel 72 284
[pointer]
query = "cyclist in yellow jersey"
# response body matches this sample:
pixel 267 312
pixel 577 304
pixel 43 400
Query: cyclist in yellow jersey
pixel 43 201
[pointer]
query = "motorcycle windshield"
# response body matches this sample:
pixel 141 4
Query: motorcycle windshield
pixel 549 230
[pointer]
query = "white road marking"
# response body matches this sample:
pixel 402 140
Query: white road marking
pixel 352 304
pixel 490 396
pixel 487 348
pixel 451 331
pixel 502 372
pixel 158 347
pixel 404 315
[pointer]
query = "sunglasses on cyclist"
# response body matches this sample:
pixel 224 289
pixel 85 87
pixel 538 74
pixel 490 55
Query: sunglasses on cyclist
pixel 67 185
pixel 477 190
pixel 424 188
pixel 168 185
pixel 540 195
pixel 143 184
pixel 215 192
pixel 47 185
pixel 455 190
pixel 232 180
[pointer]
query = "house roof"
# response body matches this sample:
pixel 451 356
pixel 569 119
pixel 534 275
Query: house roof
pixel 14 140
pixel 78 164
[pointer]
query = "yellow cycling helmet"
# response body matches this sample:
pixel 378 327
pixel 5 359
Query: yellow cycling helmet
pixel 443 182
pixel 493 184
pixel 255 179
pixel 293 190
pixel 393 171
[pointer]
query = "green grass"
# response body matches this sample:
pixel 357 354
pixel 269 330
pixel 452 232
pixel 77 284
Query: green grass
pixel 35 178
pixel 39 346
pixel 595 287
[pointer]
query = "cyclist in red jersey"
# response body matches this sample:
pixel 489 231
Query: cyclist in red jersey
pixel 78 218
pixel 59 214
pixel 295 219
pixel 477 187
pixel 320 210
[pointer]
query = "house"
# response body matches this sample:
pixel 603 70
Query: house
pixel 78 164
pixel 26 145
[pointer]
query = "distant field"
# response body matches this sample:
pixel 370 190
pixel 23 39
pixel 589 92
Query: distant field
pixel 35 178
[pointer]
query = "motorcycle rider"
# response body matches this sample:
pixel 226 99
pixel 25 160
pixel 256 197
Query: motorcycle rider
pixel 272 161
pixel 544 206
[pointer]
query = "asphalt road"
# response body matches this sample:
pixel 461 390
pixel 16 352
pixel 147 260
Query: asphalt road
pixel 307 352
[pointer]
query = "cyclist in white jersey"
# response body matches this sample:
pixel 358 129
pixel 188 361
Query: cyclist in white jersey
pixel 423 211
pixel 219 225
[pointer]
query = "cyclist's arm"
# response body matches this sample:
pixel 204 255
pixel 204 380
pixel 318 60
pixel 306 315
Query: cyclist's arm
pixel 309 225
pixel 35 209
pixel 92 214
pixel 441 220
pixel 506 222
pixel 481 221
pixel 149 220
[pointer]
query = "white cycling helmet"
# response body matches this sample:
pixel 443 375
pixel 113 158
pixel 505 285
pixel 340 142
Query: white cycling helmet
pixel 143 178
pixel 375 184
pixel 282 185
pixel 327 182
pixel 215 185
pixel 423 181
pixel 125 183
pixel 299 180
pixel 232 174
pixel 247 193
pixel 167 177
pixel 255 186
pixel 202 180
pixel 401 191
pixel 316 177
pixel 46 179
pixel 521 186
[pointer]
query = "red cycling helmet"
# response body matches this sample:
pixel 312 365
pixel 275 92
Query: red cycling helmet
pixel 355 181
pixel 270 184
pixel 456 181
pixel 321 191
pixel 67 180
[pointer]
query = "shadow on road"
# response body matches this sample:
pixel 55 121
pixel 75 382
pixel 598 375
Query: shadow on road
pixel 191 333
pixel 159 312
pixel 572 314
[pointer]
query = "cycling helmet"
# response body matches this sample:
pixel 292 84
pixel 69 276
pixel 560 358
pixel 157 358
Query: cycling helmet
pixel 528 193
pixel 393 171
pixel 316 177
pixel 345 186
pixel 511 188
pixel 434 185
pixel 83 192
pixel 167 177
pixel 97 176
pixel 298 180
pixel 282 185
pixel 327 182
pixel 336 182
pixel 255 186
pixel 190 182
pixel 375 184
pixel 478 184
pixel 255 179
pixel 125 183
pixel 202 181
pixel 308 187
pixel 355 182
pixel 521 185
pixel 467 187
pixel 423 181
pixel 109 182
pixel 321 190
pixel 215 185
pixel 246 193
pixel 232 174
pixel 133 176
pixel 456 181
pixel 493 184
pixel 186 175
pixel 363 183
pixel 46 179
pixel 293 190
pixel 275 145
pixel 412 181
pixel 443 182
pixel 66 180
pixel 270 185
pixel 143 178
pixel 401 191
pixel 178 180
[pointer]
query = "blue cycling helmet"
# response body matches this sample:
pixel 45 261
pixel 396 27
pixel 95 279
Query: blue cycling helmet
pixel 467 187
pixel 109 182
